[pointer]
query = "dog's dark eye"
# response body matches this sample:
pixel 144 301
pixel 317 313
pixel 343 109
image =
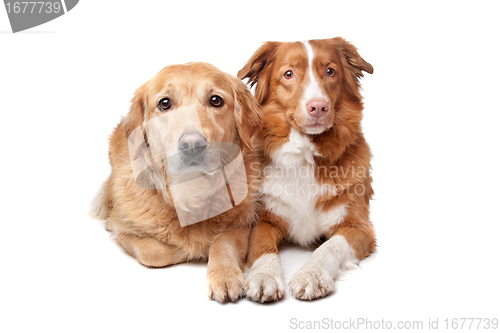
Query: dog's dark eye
pixel 164 104
pixel 330 72
pixel 288 75
pixel 216 101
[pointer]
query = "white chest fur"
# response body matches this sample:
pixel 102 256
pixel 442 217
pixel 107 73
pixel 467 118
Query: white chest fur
pixel 290 190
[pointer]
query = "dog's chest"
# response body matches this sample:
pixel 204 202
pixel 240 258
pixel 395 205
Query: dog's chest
pixel 290 190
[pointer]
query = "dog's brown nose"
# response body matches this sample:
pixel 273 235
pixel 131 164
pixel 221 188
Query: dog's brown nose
pixel 317 107
pixel 191 144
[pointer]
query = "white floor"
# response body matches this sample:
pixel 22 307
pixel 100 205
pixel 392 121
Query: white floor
pixel 431 119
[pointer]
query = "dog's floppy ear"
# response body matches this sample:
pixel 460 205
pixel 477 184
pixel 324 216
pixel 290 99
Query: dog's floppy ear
pixel 246 113
pixel 353 64
pixel 258 69
pixel 137 109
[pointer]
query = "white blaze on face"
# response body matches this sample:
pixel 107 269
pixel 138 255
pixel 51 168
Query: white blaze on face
pixel 313 90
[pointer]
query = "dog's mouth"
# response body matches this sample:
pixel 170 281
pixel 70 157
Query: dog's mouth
pixel 194 162
pixel 201 164
pixel 193 167
pixel 315 126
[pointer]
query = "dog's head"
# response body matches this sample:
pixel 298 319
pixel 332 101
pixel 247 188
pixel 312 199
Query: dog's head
pixel 184 109
pixel 308 80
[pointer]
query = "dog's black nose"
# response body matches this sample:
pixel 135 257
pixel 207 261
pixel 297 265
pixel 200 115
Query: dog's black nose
pixel 191 144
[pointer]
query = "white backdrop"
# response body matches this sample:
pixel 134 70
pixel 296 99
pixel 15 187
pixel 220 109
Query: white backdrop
pixel 431 118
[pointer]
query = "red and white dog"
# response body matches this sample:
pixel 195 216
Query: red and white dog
pixel 316 182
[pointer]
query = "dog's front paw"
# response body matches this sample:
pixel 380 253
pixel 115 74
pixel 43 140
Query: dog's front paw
pixel 263 287
pixel 225 284
pixel 310 283
pixel 264 283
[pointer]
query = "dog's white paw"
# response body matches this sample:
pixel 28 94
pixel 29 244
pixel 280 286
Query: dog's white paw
pixel 265 283
pixel 310 283
pixel 264 288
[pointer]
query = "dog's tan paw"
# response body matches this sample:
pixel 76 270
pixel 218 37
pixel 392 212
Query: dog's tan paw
pixel 264 288
pixel 310 283
pixel 225 284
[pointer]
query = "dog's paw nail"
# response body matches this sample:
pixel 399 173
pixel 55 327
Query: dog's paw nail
pixel 311 283
pixel 225 285
pixel 264 288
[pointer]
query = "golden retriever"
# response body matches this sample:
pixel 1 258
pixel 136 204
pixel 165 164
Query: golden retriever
pixel 316 181
pixel 184 179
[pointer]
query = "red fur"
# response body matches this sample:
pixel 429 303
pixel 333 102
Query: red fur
pixel 342 145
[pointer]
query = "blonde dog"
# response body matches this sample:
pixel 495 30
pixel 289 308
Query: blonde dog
pixel 172 177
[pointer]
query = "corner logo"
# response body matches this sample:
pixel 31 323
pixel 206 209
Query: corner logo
pixel 28 14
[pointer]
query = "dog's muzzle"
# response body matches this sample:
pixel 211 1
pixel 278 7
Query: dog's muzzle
pixel 204 178
pixel 192 144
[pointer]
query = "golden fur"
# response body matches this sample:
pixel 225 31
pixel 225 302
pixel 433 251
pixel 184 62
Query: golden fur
pixel 144 221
